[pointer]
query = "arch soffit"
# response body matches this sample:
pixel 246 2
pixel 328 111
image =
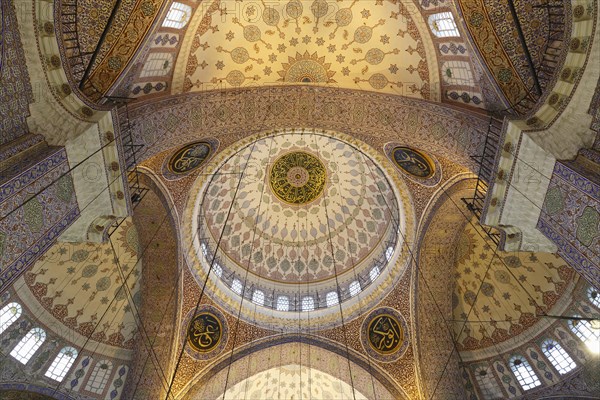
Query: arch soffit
pixel 209 383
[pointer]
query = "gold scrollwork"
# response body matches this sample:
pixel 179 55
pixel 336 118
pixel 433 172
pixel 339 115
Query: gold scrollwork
pixel 297 178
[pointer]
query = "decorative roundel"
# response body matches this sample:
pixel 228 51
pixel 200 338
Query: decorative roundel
pixel 189 157
pixel 384 334
pixel 414 164
pixel 297 178
pixel 206 332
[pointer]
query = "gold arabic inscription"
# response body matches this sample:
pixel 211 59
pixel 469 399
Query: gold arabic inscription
pixel 204 332
pixel 297 178
pixel 385 334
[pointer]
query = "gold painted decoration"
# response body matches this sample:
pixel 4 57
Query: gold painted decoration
pixel 204 332
pixel 385 334
pixel 189 157
pixel 413 162
pixel 297 178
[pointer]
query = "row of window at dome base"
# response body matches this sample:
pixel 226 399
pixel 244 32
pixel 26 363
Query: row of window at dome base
pixel 295 303
pixel 29 344
pixel 588 332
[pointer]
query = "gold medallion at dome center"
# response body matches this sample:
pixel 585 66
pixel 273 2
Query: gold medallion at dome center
pixel 297 178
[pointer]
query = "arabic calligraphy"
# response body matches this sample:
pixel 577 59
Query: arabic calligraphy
pixel 204 332
pixel 189 157
pixel 413 162
pixel 385 334
pixel 297 177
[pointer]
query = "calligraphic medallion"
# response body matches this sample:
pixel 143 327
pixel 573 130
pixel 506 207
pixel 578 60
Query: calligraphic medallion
pixel 384 334
pixel 297 178
pixel 413 162
pixel 204 332
pixel 189 157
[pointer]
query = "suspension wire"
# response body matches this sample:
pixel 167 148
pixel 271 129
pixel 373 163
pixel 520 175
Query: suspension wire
pixel 337 284
pixel 124 283
pixel 483 280
pixel 143 332
pixel 213 258
pixel 359 295
pixel 256 221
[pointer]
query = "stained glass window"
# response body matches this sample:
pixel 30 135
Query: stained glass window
pixel 236 286
pixel 99 377
pixel 524 373
pixel 458 73
pixel 283 303
pixel 488 386
pixel 258 297
pixel 374 273
pixel 178 16
pixel 157 64
pixel 354 288
pixel 443 25
pixel 559 358
pixel 8 315
pixel 331 299
pixel 589 334
pixel 308 303
pixel 62 363
pixel 594 296
pixel 25 349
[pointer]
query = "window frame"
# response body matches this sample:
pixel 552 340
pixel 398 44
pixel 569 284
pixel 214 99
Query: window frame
pixel 16 352
pixel 59 368
pixel 95 385
pixel 443 25
pixel 557 363
pixel 519 372
pixel 177 9
pixel 7 320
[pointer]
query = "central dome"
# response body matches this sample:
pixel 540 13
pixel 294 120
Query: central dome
pixel 297 221
pixel 307 207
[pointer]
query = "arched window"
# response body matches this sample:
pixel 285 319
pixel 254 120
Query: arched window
pixel 217 269
pixel 99 377
pixel 62 363
pixel 178 16
pixel 457 73
pixel 283 303
pixel 354 288
pixel 487 383
pixel 8 315
pixel 389 252
pixel 559 358
pixel 236 286
pixel 524 373
pixel 157 64
pixel 258 297
pixel 588 334
pixel 331 299
pixel 374 273
pixel 25 349
pixel 594 296
pixel 308 303
pixel 443 25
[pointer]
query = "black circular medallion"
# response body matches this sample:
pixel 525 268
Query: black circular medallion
pixel 204 332
pixel 413 162
pixel 189 157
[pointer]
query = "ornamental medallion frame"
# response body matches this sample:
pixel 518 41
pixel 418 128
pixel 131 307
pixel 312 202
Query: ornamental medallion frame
pixel 398 320
pixel 191 349
pixel 433 179
pixel 170 173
